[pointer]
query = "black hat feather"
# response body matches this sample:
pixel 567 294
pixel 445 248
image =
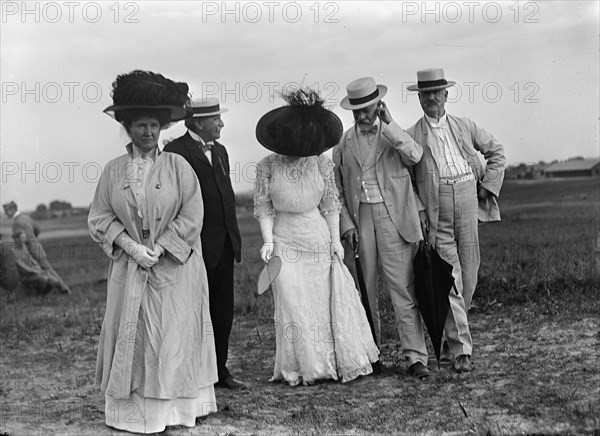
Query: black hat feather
pixel 303 128
pixel 140 90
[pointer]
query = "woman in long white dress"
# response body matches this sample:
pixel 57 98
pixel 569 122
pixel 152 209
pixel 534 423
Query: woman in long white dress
pixel 321 327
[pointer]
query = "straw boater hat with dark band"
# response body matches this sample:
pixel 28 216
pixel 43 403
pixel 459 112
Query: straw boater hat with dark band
pixel 207 107
pixel 303 128
pixel 431 79
pixel 362 92
pixel 139 90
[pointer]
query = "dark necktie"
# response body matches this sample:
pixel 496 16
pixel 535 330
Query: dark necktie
pixel 206 147
pixel 374 128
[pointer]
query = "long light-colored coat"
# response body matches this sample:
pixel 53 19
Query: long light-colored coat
pixel 471 140
pixel 156 337
pixel 395 151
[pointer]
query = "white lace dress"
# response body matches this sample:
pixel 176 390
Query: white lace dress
pixel 321 328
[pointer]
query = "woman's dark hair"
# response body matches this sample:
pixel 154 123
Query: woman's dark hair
pixel 128 116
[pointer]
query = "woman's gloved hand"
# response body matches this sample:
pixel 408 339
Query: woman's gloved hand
pixel 144 256
pixel 266 251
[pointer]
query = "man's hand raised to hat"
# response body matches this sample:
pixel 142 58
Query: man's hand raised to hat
pixel 384 113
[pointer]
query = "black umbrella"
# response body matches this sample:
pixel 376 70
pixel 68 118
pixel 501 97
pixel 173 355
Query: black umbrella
pixel 363 289
pixel 433 282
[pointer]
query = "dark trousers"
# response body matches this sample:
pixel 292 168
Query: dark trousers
pixel 220 288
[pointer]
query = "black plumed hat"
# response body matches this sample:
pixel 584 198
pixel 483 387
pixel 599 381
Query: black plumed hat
pixel 145 90
pixel 303 128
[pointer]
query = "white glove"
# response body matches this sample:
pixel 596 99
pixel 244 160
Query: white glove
pixel 144 256
pixel 159 250
pixel 266 251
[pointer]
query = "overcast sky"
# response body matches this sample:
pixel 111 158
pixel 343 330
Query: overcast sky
pixel 527 72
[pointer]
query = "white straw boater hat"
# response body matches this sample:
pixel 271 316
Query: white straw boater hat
pixel 362 92
pixel 206 107
pixel 431 79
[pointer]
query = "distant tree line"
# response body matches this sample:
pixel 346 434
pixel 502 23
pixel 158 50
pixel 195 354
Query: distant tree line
pixel 530 171
pixel 55 209
pixel 58 208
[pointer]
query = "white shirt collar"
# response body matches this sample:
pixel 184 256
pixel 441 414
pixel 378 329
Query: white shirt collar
pixel 436 122
pixel 197 138
pixel 137 154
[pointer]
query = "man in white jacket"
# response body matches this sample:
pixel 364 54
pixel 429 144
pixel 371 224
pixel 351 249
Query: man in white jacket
pixel 380 210
pixel 456 190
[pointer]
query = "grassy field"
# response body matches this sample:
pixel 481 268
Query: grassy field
pixel 535 326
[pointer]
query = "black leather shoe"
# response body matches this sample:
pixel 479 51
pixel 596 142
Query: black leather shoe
pixel 231 383
pixel 376 367
pixel 419 370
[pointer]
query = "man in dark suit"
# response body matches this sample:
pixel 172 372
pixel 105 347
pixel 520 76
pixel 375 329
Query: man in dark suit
pixel 221 242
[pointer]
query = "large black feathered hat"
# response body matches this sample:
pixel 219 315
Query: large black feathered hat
pixel 140 90
pixel 303 128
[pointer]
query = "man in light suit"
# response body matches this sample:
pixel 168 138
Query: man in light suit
pixel 456 190
pixel 379 210
pixel 221 241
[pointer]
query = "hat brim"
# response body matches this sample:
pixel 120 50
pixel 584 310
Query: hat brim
pixel 210 114
pixel 345 103
pixel 328 120
pixel 415 87
pixel 176 113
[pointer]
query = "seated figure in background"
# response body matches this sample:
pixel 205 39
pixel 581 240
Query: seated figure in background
pixel 36 278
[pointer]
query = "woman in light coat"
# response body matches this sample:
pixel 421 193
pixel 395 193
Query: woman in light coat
pixel 156 358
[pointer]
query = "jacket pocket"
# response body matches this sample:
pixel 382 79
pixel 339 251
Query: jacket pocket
pixel 117 272
pixel 166 272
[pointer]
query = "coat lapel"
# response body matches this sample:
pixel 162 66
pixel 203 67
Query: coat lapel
pixel 382 144
pixel 218 159
pixel 353 144
pixel 427 138
pixel 195 152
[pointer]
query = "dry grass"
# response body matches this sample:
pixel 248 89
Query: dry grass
pixel 535 327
